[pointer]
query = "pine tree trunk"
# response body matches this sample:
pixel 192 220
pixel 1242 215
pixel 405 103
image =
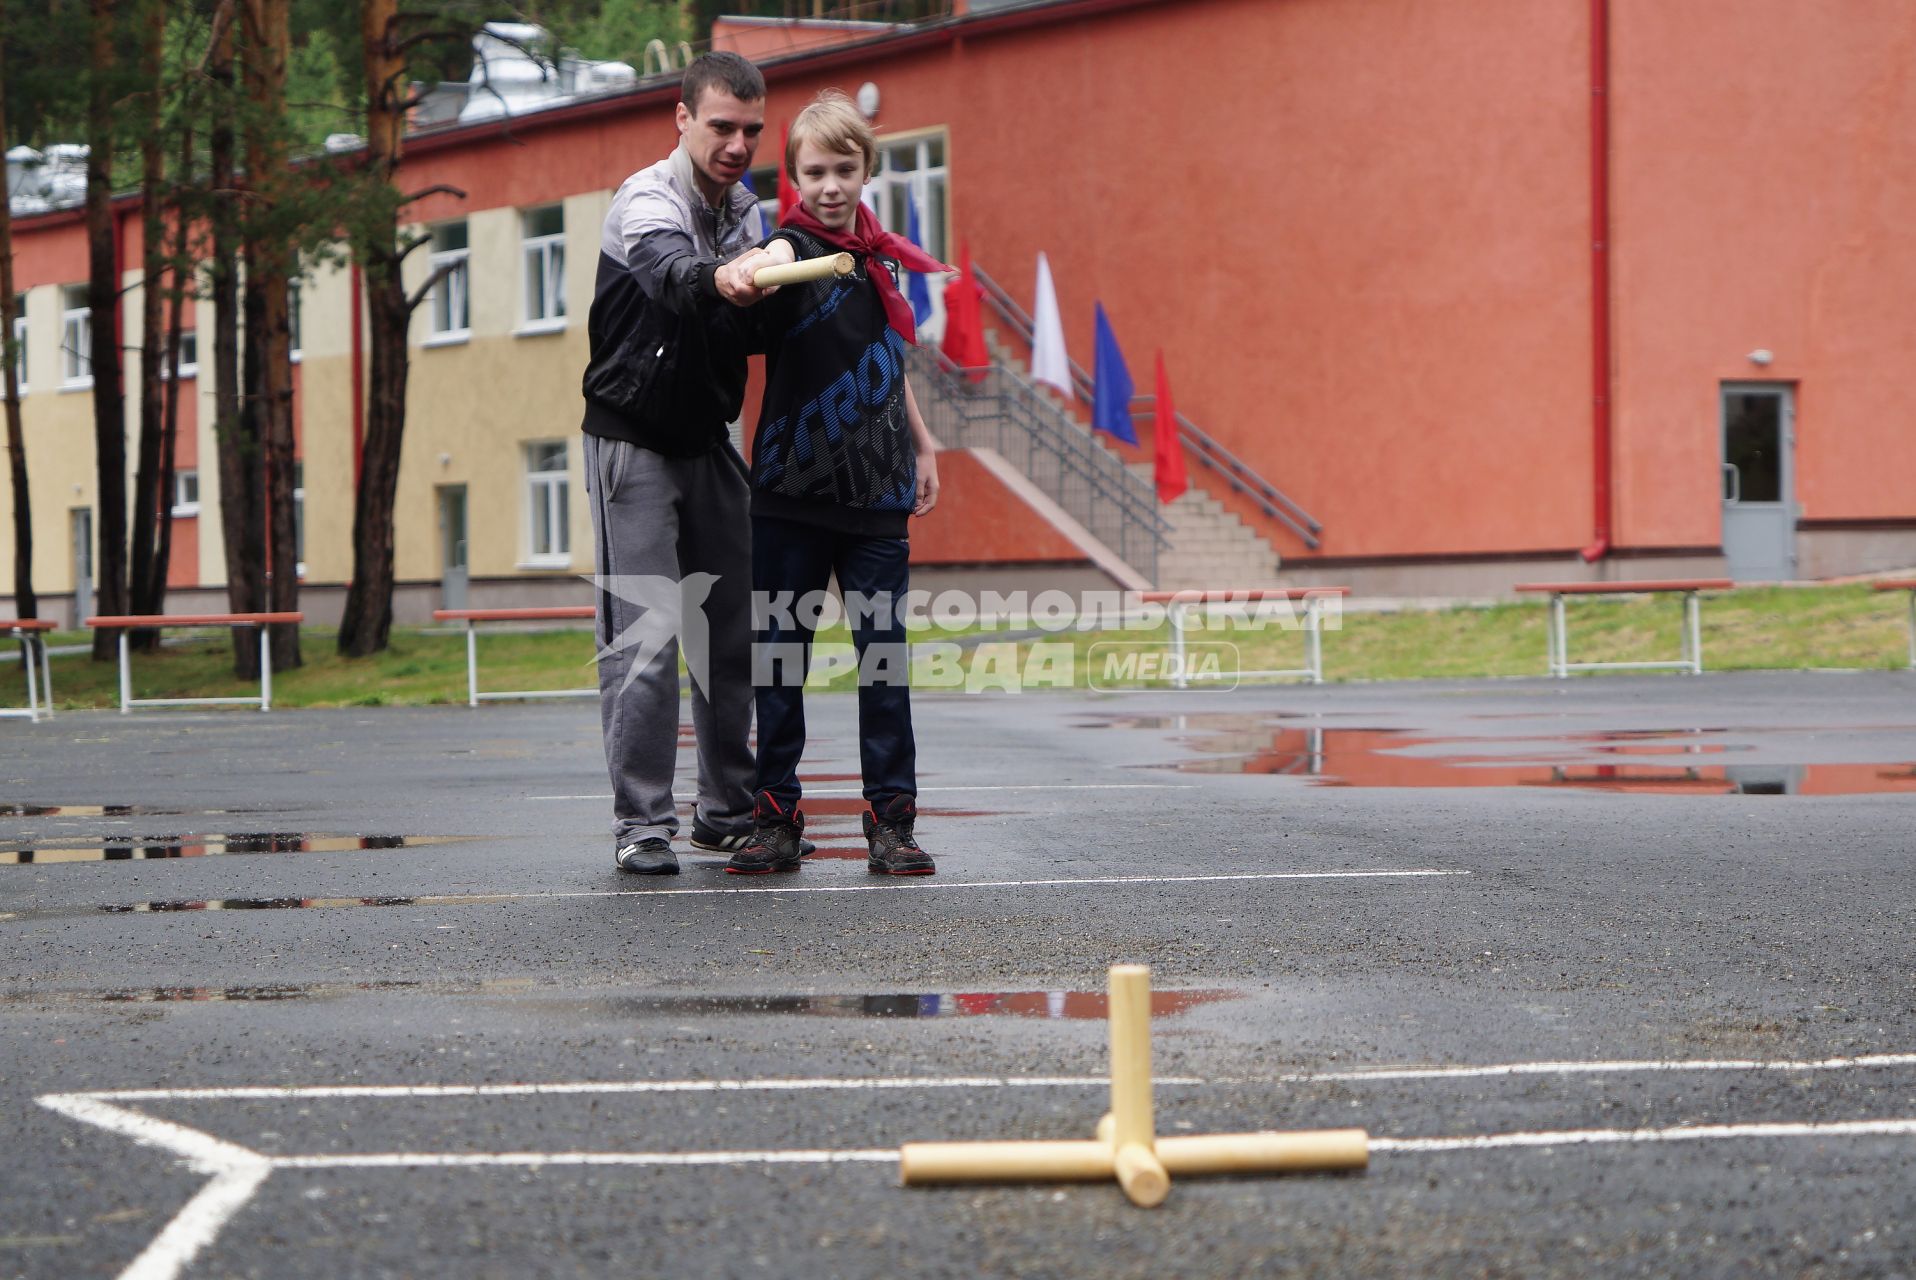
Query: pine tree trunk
pixel 242 527
pixel 103 286
pixel 26 604
pixel 170 413
pixel 150 505
pixel 269 267
pixel 366 624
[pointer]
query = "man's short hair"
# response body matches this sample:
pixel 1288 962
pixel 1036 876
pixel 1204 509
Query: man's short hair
pixel 727 71
pixel 832 123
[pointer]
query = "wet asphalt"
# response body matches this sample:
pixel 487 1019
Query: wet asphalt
pixel 1677 870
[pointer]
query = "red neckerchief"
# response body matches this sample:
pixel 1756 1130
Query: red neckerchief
pixel 870 242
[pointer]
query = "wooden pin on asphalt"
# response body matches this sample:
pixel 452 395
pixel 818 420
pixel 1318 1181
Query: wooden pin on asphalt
pixel 1126 1146
pixel 1133 1126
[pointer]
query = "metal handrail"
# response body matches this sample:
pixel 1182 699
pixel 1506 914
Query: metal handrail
pixel 994 407
pixel 1235 472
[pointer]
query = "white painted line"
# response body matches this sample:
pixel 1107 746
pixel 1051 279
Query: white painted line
pixel 237 1173
pixel 617 1086
pixel 1681 1133
pixel 1591 1068
pixel 926 885
pixel 1413 1146
pixel 854 1083
pixel 419 1160
pixel 930 791
pixel 195 1226
pixel 204 1152
pixel 786 887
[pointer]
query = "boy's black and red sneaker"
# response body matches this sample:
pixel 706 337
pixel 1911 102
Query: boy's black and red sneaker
pixel 893 849
pixel 777 842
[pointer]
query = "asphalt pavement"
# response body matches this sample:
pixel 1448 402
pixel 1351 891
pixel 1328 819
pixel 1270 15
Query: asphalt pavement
pixel 1617 973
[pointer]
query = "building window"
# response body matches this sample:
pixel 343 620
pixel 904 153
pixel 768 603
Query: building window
pixel 186 493
pixel 299 517
pixel 76 338
pixel 189 355
pixel 451 318
pixel 912 179
pixel 548 504
pixel 19 342
pixel 292 318
pixel 545 268
pixel 763 183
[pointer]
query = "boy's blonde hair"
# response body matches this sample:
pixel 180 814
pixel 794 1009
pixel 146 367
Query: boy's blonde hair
pixel 831 123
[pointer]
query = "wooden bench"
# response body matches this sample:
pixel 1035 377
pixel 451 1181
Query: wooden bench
pixel 33 656
pixel 1692 659
pixel 1182 604
pixel 567 613
pixel 1909 585
pixel 125 622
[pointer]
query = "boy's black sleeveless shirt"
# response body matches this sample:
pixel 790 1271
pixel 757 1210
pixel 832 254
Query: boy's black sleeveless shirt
pixel 834 443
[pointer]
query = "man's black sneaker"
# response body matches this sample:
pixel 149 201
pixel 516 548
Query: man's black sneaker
pixel 777 842
pixel 893 849
pixel 648 857
pixel 704 837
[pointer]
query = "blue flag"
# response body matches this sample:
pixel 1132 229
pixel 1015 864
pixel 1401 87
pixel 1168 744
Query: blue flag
pixel 1111 386
pixel 917 289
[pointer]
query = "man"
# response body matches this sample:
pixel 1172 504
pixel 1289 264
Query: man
pixel 670 507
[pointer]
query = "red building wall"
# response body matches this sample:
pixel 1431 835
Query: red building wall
pixel 1765 177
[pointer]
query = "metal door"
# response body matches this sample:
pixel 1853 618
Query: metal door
pixel 452 546
pixel 82 525
pixel 1759 498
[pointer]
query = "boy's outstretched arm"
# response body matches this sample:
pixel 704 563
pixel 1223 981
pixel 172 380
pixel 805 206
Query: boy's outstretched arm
pixel 927 450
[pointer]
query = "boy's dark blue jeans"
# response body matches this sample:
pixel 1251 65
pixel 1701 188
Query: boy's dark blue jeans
pixel 792 565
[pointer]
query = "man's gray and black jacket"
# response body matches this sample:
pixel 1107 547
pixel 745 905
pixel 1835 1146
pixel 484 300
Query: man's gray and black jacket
pixel 667 366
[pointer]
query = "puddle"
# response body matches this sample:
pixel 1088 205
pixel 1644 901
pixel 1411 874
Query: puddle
pixel 1074 1005
pixel 101 811
pixel 236 904
pixel 1389 757
pixel 268 992
pixel 1089 1006
pixel 133 848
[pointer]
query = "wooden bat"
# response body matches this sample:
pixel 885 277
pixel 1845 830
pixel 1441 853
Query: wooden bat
pixel 839 264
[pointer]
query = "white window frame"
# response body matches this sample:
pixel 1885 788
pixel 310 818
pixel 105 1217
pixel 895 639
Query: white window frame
pixel 184 506
pixel 928 185
pixel 768 203
pixel 546 313
pixel 19 346
pixel 299 517
pixel 557 485
pixel 293 294
pixel 76 342
pixel 188 368
pixel 453 289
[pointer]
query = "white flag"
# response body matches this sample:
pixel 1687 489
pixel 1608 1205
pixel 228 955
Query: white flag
pixel 1049 364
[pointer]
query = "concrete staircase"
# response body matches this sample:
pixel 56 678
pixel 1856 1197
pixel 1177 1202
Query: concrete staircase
pixel 1210 546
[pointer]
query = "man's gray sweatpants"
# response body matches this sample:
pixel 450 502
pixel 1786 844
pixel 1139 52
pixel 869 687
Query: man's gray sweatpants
pixel 674 545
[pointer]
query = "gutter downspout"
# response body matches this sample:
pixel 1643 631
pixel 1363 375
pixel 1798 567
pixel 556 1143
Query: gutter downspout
pixel 1600 274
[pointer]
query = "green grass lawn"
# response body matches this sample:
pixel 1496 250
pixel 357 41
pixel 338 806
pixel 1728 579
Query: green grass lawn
pixel 1777 628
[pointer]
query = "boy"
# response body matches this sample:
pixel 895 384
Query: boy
pixel 841 460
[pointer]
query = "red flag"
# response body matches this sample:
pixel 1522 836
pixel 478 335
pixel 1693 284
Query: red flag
pixel 964 343
pixel 1169 466
pixel 787 193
